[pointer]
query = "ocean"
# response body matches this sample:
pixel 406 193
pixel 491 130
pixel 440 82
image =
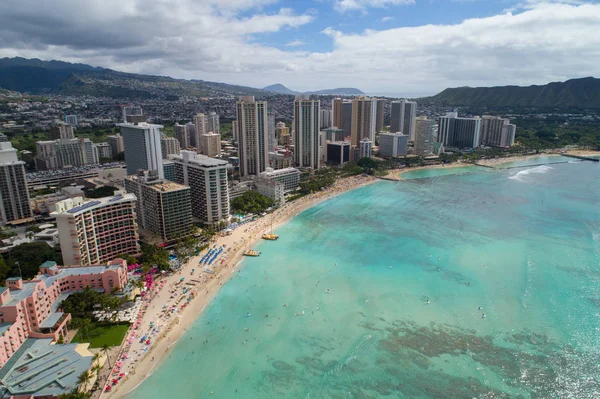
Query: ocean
pixel 476 284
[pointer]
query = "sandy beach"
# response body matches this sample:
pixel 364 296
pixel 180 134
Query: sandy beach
pixel 164 320
pixel 397 173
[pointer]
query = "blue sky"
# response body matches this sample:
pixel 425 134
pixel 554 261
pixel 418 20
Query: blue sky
pixel 383 47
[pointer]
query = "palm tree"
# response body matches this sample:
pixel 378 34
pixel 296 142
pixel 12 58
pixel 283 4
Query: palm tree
pixel 83 379
pixel 106 349
pixel 75 394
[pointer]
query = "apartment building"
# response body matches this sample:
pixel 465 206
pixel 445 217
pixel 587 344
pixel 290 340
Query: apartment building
pixel 290 177
pixel 163 207
pixel 207 179
pixel 14 196
pixel 94 232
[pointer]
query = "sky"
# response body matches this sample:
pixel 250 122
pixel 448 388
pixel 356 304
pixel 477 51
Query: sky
pixel 383 47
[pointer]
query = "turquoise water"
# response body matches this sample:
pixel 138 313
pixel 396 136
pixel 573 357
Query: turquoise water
pixel 421 173
pixel 522 244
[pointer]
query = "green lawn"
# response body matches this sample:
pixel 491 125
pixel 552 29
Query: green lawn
pixel 99 335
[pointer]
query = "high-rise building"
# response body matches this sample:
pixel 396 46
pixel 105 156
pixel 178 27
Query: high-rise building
pixel 65 152
pixel 280 130
pixel 325 118
pixel 364 112
pixel 306 132
pixel 271 189
pixel 234 131
pixel 181 134
pixel 71 120
pixel 424 136
pixel 163 207
pixel 393 145
pixel 142 147
pixel 253 135
pixel 272 141
pixel 336 113
pixel 116 144
pixel 459 132
pixel 497 132
pixel 403 117
pixel 131 110
pixel 207 179
pixel 201 124
pixel 379 115
pixel 279 160
pixel 211 144
pixel 104 150
pixel 334 134
pixel 14 196
pixel 213 123
pixel 94 232
pixel 365 148
pixel 347 118
pixel 338 152
pixel 61 131
pixel 169 146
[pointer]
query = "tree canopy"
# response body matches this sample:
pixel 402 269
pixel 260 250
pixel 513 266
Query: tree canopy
pixel 104 191
pixel 30 256
pixel 251 202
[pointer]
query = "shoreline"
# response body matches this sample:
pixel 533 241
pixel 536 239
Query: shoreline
pixel 243 238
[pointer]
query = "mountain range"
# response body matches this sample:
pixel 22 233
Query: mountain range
pixel 57 77
pixel 342 91
pixel 576 93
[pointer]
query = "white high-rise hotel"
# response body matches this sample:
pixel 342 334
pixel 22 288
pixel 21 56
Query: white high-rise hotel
pixel 142 147
pixel 253 135
pixel 306 132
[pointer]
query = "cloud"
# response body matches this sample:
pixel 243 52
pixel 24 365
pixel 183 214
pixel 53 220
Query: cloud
pixel 386 19
pixel 222 40
pixel 352 5
pixel 295 43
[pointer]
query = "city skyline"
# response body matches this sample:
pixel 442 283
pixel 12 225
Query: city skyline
pixel 316 45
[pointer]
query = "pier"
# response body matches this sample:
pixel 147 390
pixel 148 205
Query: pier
pixel 578 157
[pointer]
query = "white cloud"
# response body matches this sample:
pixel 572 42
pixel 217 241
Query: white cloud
pixel 386 19
pixel 351 5
pixel 295 43
pixel 539 42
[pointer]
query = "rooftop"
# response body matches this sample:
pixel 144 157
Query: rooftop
pixel 97 203
pixel 190 157
pixel 140 125
pixel 43 369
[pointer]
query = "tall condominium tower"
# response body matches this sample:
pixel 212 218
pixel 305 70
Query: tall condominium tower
pixel 272 142
pixel 142 147
pixel 403 117
pixel 306 132
pixel 379 116
pixel 207 179
pixel 497 132
pixel 181 134
pixel 234 131
pixel 61 130
pixel 253 135
pixel 213 123
pixel 364 112
pixel 163 207
pixel 325 118
pixel 459 132
pixel 65 152
pixel 393 145
pixel 211 144
pixel 201 123
pixel 14 196
pixel 94 232
pixel 346 118
pixel 116 144
pixel 424 134
pixel 336 113
pixel 169 146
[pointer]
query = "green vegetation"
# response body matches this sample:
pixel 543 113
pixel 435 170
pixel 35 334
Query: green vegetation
pixel 104 191
pixel 75 394
pixel 100 335
pixel 251 202
pixel 82 303
pixel 188 246
pixel 30 256
pixel 155 256
pixel 578 93
pixel 4 234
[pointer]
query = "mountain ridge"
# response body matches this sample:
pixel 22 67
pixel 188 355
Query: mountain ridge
pixel 344 91
pixel 576 93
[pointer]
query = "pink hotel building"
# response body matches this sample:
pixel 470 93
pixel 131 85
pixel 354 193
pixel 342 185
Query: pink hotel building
pixel 29 309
